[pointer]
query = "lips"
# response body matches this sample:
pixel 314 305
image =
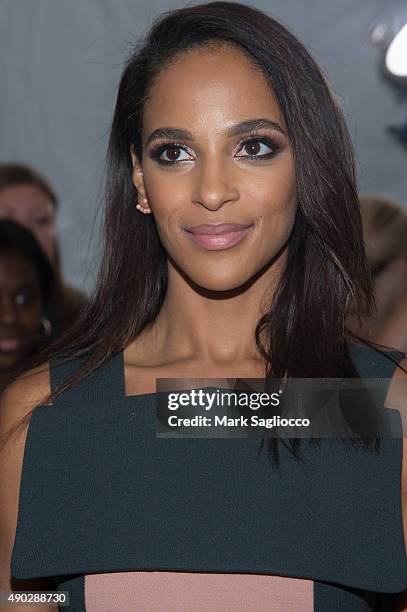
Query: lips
pixel 11 344
pixel 218 237
pixel 216 229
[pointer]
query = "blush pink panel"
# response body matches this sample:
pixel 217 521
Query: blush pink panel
pixel 196 592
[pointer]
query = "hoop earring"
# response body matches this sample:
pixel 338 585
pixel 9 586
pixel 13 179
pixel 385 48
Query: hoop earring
pixel 46 330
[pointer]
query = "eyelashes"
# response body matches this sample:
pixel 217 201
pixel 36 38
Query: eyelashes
pixel 157 151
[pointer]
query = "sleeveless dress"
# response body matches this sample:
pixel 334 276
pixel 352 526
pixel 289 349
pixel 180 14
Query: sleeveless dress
pixel 127 521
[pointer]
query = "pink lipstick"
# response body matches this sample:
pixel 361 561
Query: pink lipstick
pixel 218 237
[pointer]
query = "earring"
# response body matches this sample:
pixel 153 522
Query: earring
pixel 46 327
pixel 144 209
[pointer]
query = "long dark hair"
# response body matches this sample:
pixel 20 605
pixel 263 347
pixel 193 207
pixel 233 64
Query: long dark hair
pixel 326 270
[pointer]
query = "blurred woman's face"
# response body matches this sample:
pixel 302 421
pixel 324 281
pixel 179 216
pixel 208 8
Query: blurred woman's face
pixel 31 207
pixel 20 309
pixel 216 151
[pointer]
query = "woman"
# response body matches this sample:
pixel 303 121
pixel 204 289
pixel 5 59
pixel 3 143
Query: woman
pixel 26 288
pixel 221 118
pixel 385 235
pixel 28 198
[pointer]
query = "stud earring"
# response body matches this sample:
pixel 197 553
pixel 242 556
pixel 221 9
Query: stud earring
pixel 144 209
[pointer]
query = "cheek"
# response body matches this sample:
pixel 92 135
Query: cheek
pixel 169 199
pixel 278 211
pixel 31 317
pixel 48 234
pixel 46 237
pixel 275 205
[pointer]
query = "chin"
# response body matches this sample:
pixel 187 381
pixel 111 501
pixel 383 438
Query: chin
pixel 11 360
pixel 7 365
pixel 215 275
pixel 222 283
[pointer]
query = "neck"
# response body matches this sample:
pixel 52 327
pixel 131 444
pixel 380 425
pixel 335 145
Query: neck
pixel 211 327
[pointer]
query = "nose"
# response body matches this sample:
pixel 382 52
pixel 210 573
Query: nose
pixel 8 311
pixel 214 185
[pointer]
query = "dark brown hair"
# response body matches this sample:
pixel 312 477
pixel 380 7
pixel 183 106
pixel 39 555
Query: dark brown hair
pixel 19 174
pixel 326 269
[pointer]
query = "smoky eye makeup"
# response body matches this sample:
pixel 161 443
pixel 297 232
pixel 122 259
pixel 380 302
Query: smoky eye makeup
pixel 248 148
pixel 156 151
pixel 251 145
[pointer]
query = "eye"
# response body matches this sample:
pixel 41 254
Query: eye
pixel 43 221
pixel 172 151
pixel 259 148
pixel 25 298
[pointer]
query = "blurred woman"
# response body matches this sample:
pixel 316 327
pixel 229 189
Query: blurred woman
pixel 27 287
pixel 28 198
pixel 385 237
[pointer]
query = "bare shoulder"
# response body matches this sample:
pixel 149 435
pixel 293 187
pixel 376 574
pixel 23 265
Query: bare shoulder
pixel 17 402
pixel 21 396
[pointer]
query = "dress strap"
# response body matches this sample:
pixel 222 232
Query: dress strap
pixel 372 363
pixel 104 385
pixel 380 364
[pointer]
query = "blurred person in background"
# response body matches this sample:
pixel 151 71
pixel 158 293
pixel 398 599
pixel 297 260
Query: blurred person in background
pixel 385 237
pixel 28 198
pixel 27 285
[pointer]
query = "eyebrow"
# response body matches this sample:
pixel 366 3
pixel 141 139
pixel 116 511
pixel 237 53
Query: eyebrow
pixel 250 125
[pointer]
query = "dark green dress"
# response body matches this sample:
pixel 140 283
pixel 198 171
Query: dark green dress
pixel 100 494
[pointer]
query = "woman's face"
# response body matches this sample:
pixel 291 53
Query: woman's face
pixel 20 309
pixel 215 151
pixel 31 207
